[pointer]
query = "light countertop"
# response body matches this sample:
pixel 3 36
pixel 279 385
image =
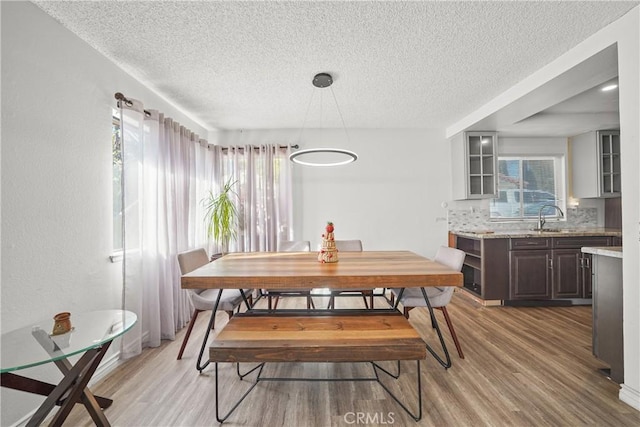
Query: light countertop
pixel 610 251
pixel 509 234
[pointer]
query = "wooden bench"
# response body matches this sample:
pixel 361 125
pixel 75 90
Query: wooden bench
pixel 322 336
pixel 317 338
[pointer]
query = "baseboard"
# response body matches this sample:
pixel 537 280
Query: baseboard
pixel 106 366
pixel 630 396
pixel 566 302
pixel 483 302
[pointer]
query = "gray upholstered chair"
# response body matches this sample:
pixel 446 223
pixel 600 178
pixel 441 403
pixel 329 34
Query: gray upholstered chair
pixel 439 297
pixel 273 295
pixel 204 299
pixel 350 246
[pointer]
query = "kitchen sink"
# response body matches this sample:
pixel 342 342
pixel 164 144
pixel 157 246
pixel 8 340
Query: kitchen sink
pixel 550 230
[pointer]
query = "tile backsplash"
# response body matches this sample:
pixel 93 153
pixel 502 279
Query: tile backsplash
pixel 476 219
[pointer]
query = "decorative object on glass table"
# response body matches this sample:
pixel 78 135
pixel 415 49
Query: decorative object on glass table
pixel 62 323
pixel 328 251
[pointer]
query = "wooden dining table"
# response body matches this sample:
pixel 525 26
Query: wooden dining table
pixel 301 270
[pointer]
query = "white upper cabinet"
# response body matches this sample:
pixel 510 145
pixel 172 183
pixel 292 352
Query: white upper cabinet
pixel 474 165
pixel 596 164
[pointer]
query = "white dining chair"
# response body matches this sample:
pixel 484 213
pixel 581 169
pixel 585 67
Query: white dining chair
pixel 204 299
pixel 273 295
pixel 439 296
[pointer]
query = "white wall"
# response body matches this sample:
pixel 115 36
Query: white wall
pixel 628 37
pixel 390 198
pixel 57 95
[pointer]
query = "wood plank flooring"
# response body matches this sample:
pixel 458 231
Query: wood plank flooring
pixel 524 366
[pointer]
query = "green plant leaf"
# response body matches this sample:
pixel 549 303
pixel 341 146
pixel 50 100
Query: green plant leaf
pixel 221 214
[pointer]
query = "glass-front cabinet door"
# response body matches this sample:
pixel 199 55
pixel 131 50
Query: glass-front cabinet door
pixel 481 164
pixel 609 147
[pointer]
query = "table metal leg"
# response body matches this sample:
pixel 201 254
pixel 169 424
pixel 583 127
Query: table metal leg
pixel 434 322
pixel 246 300
pixel 199 365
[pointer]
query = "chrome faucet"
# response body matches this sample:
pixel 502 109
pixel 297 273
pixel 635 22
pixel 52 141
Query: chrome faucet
pixel 541 220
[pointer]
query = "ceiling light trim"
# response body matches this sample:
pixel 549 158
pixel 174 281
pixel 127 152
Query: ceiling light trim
pixel 351 156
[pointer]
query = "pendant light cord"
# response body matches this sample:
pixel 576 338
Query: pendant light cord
pixel 340 114
pixel 306 115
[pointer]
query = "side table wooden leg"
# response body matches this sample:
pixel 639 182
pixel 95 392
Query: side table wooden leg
pixel 66 383
pixel 80 392
pixel 29 385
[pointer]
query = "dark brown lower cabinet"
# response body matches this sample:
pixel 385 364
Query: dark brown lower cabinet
pixel 571 274
pixel 567 273
pixel 530 274
pixel 529 268
pixel 552 268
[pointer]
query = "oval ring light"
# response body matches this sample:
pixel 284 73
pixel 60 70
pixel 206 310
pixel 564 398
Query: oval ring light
pixel 323 157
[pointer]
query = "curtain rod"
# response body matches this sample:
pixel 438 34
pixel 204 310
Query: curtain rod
pixel 120 97
pixel 257 147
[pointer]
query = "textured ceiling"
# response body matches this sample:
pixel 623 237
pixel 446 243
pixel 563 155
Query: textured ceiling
pixel 249 65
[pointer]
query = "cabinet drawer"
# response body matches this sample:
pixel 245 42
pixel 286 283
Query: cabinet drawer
pixel 531 243
pixel 581 241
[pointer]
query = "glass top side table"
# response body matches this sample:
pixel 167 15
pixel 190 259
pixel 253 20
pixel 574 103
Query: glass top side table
pixel 33 345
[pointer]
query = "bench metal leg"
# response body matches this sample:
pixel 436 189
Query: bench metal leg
pixel 223 418
pixel 241 376
pixel 376 378
pixel 417 416
pixel 395 376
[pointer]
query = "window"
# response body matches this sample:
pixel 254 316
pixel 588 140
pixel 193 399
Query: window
pixel 526 184
pixel 116 149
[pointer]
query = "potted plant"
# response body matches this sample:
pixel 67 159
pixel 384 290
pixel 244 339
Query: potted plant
pixel 221 215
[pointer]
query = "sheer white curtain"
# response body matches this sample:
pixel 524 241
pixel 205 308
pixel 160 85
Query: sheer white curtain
pixel 167 171
pixel 160 219
pixel 264 188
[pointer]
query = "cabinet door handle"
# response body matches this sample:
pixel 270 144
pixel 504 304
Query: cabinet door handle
pixel 587 262
pixel 551 263
pixel 581 262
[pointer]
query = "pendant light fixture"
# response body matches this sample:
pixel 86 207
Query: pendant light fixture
pixel 324 156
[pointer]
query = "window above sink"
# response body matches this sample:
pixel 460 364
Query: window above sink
pixel 526 184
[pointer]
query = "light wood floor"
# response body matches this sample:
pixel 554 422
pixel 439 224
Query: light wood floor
pixel 524 367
